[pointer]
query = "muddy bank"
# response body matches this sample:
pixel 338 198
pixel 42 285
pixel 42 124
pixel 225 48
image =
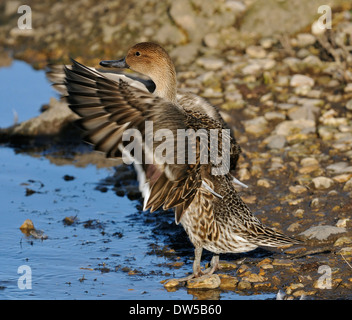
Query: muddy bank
pixel 288 98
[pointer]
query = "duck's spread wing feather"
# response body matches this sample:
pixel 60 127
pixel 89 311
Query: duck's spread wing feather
pixel 108 108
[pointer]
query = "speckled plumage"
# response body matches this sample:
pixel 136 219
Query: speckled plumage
pixel 208 206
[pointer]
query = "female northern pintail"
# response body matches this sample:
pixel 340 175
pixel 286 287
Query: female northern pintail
pixel 206 204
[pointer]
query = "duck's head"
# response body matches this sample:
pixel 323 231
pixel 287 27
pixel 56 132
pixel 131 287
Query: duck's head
pixel 152 60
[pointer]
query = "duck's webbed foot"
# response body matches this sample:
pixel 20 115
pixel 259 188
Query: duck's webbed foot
pixel 197 271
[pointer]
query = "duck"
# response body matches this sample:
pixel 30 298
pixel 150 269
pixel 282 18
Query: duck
pixel 205 203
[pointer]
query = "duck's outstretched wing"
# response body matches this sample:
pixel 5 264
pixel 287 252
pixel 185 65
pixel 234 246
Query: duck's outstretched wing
pixel 109 108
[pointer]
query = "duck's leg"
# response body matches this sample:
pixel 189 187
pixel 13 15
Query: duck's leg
pixel 214 263
pixel 197 272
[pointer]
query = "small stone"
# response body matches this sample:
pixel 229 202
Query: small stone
pixel 27 226
pixel 210 63
pixel 274 116
pixel 256 126
pixel 299 80
pixel 348 88
pixel 263 183
pixel 342 223
pixel 309 162
pixel 305 39
pixel 349 103
pixel 244 285
pixel 348 185
pixel 251 69
pixel 256 52
pixel 204 282
pixel 282 262
pixel 342 240
pixel 228 282
pixel 276 141
pixel 346 251
pixel 253 277
pixel 342 177
pixel 321 183
pixel 243 174
pixel 290 127
pixel 294 286
pixel 297 189
pixel 322 232
pixel 172 283
pixel 294 227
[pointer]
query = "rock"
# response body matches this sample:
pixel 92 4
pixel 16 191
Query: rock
pixel 345 251
pixel 172 283
pixel 253 277
pixel 289 127
pixel 251 69
pixel 263 183
pixel 339 167
pixel 276 141
pixel 274 116
pixel 297 189
pixel 256 126
pixel 204 282
pixel 342 240
pixel 322 232
pixel 282 262
pixel 322 183
pixel 211 40
pixel 342 222
pixel 244 285
pixel 309 161
pixel 243 174
pixel 308 112
pixel 49 122
pixel 228 282
pixel 256 52
pixel 299 80
pixel 348 185
pixel 348 88
pixel 305 39
pixel 210 63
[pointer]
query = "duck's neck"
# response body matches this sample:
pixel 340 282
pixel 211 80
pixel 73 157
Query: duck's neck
pixel 166 84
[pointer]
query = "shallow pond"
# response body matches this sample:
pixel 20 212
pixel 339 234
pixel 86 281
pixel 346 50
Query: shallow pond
pixel 111 249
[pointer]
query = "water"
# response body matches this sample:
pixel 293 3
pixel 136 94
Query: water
pixel 106 253
pixel 22 92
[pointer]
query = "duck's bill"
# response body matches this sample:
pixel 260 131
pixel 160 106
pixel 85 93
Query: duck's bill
pixel 114 63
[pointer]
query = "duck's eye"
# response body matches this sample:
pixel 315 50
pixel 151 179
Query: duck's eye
pixel 137 53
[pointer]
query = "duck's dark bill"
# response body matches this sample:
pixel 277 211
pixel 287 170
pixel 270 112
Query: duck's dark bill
pixel 114 63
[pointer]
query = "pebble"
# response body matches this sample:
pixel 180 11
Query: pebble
pixel 322 232
pixel 321 183
pixel 297 189
pixel 210 63
pixel 299 80
pixel 276 141
pixel 228 282
pixel 342 222
pixel 256 126
pixel 282 262
pixel 342 240
pixel 257 52
pixel 264 183
pixel 171 283
pixel 305 39
pixel 244 285
pixel 349 102
pixel 290 127
pixel 204 282
pixel 348 185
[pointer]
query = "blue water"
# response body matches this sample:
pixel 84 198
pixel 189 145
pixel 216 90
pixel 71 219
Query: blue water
pixel 74 262
pixel 23 90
